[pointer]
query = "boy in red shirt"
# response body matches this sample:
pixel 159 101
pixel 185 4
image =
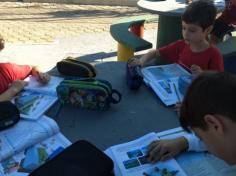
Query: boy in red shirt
pixel 225 23
pixel 12 76
pixel 194 51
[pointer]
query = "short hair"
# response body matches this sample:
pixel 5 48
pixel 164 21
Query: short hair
pixel 211 93
pixel 201 13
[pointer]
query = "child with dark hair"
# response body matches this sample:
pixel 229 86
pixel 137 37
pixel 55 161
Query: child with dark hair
pixel 208 110
pixel 225 23
pixel 12 76
pixel 194 51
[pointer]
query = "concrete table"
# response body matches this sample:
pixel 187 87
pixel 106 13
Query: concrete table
pixel 169 24
pixel 138 113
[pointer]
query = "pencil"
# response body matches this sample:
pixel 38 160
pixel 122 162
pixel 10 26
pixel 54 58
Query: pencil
pixel 185 67
pixel 176 92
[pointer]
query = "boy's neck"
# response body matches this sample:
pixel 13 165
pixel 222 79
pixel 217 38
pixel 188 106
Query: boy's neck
pixel 199 46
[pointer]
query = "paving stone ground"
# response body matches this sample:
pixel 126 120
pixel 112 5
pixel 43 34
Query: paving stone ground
pixel 37 23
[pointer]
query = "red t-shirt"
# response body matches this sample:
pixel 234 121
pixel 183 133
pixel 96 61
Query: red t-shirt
pixel 10 72
pixel 180 52
pixel 228 16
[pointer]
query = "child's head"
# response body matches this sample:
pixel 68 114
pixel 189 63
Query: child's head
pixel 198 19
pixel 209 109
pixel 2 42
pixel 201 13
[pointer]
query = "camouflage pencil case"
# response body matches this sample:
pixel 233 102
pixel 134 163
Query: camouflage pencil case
pixel 88 93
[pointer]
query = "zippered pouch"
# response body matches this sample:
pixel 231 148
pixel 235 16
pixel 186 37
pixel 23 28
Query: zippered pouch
pixel 88 93
pixel 73 67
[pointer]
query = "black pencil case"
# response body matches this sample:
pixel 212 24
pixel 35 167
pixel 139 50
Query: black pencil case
pixel 73 67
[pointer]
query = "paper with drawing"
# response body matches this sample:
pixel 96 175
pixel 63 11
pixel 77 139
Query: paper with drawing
pixel 24 134
pixel 36 99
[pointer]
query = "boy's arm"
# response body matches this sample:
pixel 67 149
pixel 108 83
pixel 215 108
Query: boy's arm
pixel 161 150
pixel 149 57
pixel 194 143
pixel 145 59
pixel 14 88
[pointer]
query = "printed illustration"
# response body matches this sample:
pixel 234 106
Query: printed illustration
pixel 138 157
pixel 87 98
pixel 31 158
pixel 27 102
pixel 161 172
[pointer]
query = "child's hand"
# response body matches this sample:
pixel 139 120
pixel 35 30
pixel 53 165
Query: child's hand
pixel 43 78
pixel 195 69
pixel 17 86
pixel 161 150
pixel 135 62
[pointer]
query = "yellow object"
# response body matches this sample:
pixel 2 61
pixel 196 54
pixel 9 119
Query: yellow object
pixel 124 53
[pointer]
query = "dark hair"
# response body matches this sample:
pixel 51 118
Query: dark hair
pixel 201 13
pixel 210 93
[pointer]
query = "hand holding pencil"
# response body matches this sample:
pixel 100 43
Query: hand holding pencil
pixel 195 69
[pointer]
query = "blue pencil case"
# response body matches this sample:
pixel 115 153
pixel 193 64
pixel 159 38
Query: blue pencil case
pixel 133 77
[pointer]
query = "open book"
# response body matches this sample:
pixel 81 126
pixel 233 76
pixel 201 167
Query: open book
pixel 164 80
pixel 128 159
pixel 29 144
pixel 35 99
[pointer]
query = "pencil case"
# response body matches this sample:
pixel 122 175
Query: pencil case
pixel 73 67
pixel 9 114
pixel 134 77
pixel 88 93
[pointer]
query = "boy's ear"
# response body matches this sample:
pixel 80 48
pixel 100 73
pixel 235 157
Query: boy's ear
pixel 209 29
pixel 214 124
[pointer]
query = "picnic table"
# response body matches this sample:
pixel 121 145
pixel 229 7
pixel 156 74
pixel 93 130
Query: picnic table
pixel 138 113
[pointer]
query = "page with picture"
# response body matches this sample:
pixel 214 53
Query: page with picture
pixel 24 134
pixel 169 82
pixel 23 163
pixel 36 98
pixel 130 159
pixel 49 88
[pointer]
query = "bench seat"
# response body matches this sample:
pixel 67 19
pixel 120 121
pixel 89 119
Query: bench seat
pixel 129 42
